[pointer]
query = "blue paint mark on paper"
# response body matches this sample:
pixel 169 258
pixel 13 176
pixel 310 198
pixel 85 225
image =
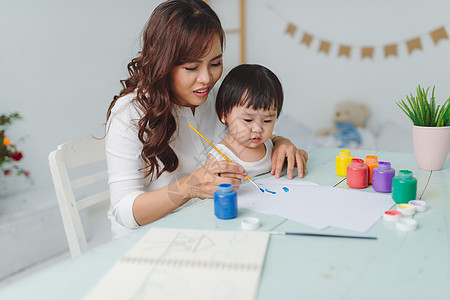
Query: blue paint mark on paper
pixel 272 192
pixel 285 189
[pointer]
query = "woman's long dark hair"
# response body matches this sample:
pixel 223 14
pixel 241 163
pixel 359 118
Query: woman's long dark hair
pixel 177 32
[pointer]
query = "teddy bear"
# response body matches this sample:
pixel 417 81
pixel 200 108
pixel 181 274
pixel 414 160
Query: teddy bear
pixel 349 116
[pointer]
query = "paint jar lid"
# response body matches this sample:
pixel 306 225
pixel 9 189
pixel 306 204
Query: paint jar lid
pixel 357 161
pixel 406 209
pixel 392 215
pixel 371 159
pixel 250 223
pixel 344 153
pixel 405 174
pixel 419 205
pixel 385 165
pixel 225 187
pixel 406 224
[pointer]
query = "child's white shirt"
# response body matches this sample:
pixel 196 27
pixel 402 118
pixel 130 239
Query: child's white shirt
pixel 253 168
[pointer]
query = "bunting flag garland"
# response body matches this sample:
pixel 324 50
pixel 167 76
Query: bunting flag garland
pixel 324 47
pixel 291 29
pixel 307 38
pixel 367 52
pixel 390 50
pixel 438 34
pixel 413 45
pixel 345 50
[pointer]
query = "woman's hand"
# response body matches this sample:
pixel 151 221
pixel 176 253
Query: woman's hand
pixel 285 150
pixel 203 182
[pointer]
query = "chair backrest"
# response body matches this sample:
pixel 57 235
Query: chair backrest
pixel 79 154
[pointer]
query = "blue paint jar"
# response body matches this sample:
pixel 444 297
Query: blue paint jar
pixel 225 202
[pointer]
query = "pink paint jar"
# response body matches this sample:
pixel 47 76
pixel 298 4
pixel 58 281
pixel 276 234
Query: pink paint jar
pixel 357 174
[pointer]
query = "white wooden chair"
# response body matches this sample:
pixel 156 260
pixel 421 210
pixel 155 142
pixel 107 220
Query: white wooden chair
pixel 86 154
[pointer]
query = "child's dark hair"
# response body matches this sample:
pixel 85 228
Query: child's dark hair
pixel 252 86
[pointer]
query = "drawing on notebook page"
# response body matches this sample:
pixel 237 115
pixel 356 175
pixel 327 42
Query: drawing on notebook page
pixel 181 242
pixel 195 264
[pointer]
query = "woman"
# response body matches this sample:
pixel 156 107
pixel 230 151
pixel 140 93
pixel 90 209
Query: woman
pixel 156 163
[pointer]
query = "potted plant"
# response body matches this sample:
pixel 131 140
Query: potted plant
pixel 431 128
pixel 10 155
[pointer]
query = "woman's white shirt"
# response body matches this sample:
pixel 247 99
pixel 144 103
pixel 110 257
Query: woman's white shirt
pixel 123 155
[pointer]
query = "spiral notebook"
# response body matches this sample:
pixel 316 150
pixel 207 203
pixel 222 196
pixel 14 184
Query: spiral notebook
pixel 187 264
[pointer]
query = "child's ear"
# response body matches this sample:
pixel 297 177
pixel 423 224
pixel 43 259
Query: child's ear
pixel 223 120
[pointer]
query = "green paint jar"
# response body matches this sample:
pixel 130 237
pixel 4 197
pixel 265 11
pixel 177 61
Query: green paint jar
pixel 404 187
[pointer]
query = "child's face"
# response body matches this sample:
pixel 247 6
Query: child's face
pixel 250 128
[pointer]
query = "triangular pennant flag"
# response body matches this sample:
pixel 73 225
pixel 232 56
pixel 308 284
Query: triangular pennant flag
pixel 291 29
pixel 390 50
pixel 367 52
pixel 306 39
pixel 438 34
pixel 413 44
pixel 344 50
pixel 324 47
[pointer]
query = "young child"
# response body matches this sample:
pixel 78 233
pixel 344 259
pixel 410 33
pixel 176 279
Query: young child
pixel 248 103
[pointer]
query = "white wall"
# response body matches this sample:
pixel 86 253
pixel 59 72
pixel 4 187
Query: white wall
pixel 61 61
pixel 314 81
pixel 60 66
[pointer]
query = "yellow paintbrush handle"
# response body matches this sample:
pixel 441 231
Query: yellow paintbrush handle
pixel 220 152
pixel 215 148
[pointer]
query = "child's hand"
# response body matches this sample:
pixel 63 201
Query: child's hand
pixel 285 150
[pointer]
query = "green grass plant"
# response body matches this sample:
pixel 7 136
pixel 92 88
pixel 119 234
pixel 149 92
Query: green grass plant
pixel 423 112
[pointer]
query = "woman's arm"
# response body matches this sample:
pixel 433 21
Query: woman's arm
pixel 131 205
pixel 285 150
pixel 202 183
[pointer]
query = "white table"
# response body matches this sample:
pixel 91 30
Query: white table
pixel 399 265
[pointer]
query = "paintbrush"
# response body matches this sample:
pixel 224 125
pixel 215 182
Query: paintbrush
pixel 325 235
pixel 223 155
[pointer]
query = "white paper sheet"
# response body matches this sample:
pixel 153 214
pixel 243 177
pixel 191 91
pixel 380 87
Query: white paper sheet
pixel 316 206
pixel 187 264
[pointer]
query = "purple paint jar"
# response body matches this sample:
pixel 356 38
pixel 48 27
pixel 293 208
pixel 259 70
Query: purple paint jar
pixel 382 177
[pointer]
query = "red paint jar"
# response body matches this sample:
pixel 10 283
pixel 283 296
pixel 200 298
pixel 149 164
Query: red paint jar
pixel 357 174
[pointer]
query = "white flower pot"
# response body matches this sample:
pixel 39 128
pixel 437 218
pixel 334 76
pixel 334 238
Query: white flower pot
pixel 431 145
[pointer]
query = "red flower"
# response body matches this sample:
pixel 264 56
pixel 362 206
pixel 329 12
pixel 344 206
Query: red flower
pixel 27 173
pixel 17 156
pixel 7 172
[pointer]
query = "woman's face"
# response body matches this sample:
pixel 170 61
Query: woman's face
pixel 191 82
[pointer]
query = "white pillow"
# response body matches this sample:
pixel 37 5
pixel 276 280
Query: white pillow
pixel 299 134
pixel 393 137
